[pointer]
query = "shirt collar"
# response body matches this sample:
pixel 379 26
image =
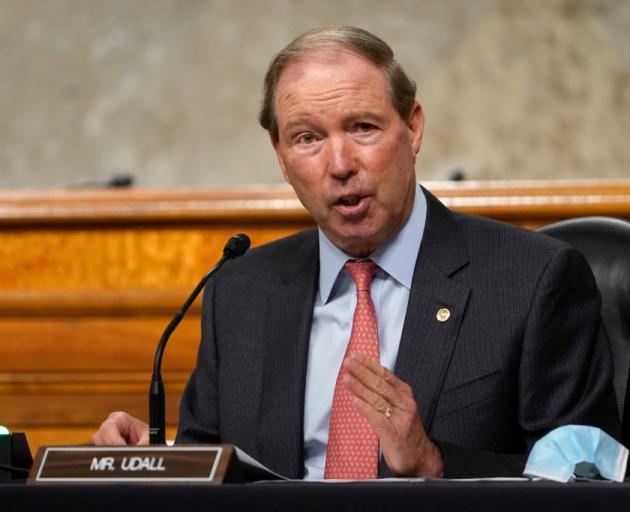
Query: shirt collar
pixel 397 257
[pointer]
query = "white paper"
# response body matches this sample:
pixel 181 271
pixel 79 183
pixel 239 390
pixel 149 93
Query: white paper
pixel 245 458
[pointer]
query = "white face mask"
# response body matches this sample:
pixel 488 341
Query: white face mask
pixel 577 451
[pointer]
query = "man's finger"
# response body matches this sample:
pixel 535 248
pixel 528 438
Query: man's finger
pixel 378 379
pixel 376 419
pixel 108 434
pixel 379 370
pixel 120 429
pixel 360 390
pixel 143 438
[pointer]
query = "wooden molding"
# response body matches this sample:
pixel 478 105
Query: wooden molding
pixel 85 303
pixel 511 200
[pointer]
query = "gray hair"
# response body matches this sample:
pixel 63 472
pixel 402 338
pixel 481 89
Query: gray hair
pixel 402 90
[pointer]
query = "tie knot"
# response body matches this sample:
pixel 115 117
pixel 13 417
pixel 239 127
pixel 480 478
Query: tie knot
pixel 362 273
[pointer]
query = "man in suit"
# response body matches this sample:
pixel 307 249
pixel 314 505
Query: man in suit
pixel 489 335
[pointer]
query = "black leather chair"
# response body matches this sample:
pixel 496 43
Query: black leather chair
pixel 606 244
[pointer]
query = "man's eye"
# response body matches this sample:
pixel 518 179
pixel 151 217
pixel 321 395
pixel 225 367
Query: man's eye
pixel 306 138
pixel 364 127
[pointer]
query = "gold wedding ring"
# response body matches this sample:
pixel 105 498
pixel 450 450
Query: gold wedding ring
pixel 388 412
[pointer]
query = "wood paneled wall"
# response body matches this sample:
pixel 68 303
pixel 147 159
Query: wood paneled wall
pixel 89 279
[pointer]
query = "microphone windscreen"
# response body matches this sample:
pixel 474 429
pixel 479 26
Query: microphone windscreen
pixel 120 180
pixel 236 246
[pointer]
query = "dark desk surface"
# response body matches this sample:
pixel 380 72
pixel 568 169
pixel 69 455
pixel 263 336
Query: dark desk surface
pixel 301 497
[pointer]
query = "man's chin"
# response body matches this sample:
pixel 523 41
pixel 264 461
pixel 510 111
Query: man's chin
pixel 357 244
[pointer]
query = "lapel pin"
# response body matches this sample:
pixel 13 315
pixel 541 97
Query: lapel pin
pixel 443 315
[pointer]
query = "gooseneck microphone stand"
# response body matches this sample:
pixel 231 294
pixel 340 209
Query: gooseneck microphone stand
pixel 235 247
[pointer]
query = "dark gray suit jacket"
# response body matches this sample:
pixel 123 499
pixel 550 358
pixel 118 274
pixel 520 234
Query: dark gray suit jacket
pixel 523 351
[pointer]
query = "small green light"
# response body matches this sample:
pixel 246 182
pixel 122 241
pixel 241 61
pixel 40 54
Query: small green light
pixel 4 431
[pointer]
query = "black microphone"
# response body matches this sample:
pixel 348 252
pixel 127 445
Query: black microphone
pixel 235 247
pixel 114 181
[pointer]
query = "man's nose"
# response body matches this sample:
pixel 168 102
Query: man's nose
pixel 342 159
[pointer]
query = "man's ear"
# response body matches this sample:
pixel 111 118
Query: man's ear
pixel 276 147
pixel 416 126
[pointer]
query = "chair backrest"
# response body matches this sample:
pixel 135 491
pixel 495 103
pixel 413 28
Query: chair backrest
pixel 605 242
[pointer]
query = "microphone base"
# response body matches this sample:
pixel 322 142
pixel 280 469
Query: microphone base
pixel 157 414
pixel 15 456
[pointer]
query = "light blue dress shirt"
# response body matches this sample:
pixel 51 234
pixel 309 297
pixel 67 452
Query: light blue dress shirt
pixel 332 323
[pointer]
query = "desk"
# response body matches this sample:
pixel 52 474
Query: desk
pixel 302 497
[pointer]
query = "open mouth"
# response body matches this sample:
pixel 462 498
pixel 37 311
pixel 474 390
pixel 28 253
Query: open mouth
pixel 349 200
pixel 352 205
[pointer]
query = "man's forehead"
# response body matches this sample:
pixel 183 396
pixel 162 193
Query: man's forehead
pixel 330 57
pixel 343 101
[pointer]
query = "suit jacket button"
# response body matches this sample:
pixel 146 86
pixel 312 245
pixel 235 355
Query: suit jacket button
pixel 443 315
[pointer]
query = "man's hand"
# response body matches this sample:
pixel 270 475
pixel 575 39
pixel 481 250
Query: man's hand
pixel 388 405
pixel 121 429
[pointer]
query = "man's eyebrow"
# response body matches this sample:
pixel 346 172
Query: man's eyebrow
pixel 352 117
pixel 366 115
pixel 292 123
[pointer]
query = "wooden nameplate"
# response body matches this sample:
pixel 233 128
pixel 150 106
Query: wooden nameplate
pixel 214 464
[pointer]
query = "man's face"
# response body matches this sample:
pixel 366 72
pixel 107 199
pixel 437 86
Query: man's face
pixel 345 150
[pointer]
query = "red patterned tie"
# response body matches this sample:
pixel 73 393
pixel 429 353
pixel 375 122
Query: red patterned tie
pixel 352 444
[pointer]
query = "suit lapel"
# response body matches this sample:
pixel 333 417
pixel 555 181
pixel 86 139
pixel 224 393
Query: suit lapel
pixel 427 343
pixel 288 329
